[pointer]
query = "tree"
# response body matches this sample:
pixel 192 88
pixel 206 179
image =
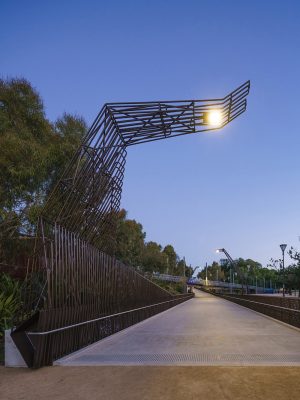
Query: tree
pixel 25 139
pixel 180 267
pixel 69 131
pixel 33 153
pixel 295 268
pixel 153 259
pixel 172 258
pixel 214 272
pixel 130 241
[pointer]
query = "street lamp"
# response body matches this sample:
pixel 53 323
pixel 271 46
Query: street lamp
pixel 234 275
pixel 283 247
pixel 231 263
pixel 247 276
pixel 213 118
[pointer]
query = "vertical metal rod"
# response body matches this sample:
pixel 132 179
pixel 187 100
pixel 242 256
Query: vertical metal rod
pixel 283 289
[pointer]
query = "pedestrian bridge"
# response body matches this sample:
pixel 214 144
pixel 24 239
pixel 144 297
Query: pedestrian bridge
pixel 206 330
pixel 227 286
pixel 76 292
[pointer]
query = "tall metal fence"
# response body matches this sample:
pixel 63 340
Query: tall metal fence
pixel 88 295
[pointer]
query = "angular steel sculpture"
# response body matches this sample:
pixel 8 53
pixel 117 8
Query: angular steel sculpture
pixel 90 189
pixel 77 291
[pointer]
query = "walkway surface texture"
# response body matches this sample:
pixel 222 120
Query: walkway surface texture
pixel 206 348
pixel 206 330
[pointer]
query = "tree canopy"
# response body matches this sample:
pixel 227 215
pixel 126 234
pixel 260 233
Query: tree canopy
pixel 33 153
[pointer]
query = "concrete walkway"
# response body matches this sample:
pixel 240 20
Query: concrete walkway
pixel 206 330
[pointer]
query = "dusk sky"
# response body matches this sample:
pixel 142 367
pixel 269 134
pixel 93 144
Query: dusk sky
pixel 237 188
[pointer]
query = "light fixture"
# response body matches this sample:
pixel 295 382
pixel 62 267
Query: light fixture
pixel 283 247
pixel 213 118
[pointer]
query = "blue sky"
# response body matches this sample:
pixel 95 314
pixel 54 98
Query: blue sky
pixel 237 188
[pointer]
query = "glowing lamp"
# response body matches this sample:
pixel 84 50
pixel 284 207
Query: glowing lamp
pixel 213 118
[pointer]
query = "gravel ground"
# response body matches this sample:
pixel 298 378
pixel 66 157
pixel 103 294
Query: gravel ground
pixel 144 383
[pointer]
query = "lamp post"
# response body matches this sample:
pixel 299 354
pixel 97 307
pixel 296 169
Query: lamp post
pixel 231 263
pixel 233 277
pixel 247 277
pixel 283 247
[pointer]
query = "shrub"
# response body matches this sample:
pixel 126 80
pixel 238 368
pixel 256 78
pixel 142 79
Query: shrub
pixel 10 301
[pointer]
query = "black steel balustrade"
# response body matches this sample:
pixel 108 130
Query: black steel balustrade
pixel 76 292
pixel 283 309
pixel 284 314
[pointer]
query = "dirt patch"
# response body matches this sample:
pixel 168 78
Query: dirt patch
pixel 145 383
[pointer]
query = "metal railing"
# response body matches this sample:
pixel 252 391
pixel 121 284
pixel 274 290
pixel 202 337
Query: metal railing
pixel 168 278
pixel 285 310
pixel 88 295
pixel 56 343
pixel 220 284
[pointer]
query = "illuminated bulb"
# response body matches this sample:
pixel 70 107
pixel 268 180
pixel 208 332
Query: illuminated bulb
pixel 215 118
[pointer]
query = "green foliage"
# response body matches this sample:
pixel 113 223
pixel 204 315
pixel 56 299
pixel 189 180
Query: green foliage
pixel 249 272
pixel 153 259
pixel 25 138
pixel 215 272
pixel 130 240
pixel 291 275
pixel 172 287
pixel 171 258
pixel 245 271
pixel 180 267
pixel 133 250
pixel 68 131
pixel 33 154
pixel 293 271
pixel 189 270
pixel 10 295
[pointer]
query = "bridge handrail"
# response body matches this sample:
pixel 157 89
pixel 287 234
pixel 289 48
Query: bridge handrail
pixel 233 285
pixel 288 315
pixel 260 303
pixel 178 297
pixel 167 277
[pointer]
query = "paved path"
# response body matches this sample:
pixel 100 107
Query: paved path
pixel 150 383
pixel 206 330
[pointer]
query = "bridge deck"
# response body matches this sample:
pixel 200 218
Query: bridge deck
pixel 206 330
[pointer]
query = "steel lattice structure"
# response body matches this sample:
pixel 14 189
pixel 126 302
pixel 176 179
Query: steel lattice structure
pixel 77 291
pixel 88 195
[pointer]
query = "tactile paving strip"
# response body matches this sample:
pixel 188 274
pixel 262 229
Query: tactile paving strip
pixel 186 359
